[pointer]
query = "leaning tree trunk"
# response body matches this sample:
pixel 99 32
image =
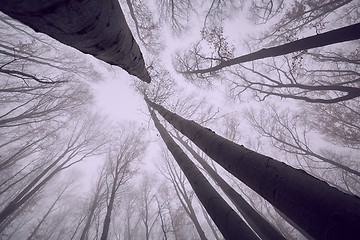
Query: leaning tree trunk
pixel 344 34
pixel 96 27
pixel 226 219
pixel 260 225
pixel 322 211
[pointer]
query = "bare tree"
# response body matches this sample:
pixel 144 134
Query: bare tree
pixel 277 182
pixel 85 140
pixel 228 222
pixel 220 10
pixel 260 225
pixel 99 29
pixel 59 196
pixel 147 28
pixel 289 136
pixel 176 13
pixel 121 157
pixel 149 213
pixel 194 63
pixel 178 181
pixel 97 198
pixel 296 17
pixel 338 123
pixel 292 133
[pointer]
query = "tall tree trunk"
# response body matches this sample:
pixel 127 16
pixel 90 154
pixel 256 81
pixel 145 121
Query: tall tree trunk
pixel 36 229
pixel 30 189
pixel 229 223
pixel 322 211
pixel 344 34
pixel 210 223
pixel 261 226
pixel 107 220
pixel 96 27
pixel 93 206
pixel 185 200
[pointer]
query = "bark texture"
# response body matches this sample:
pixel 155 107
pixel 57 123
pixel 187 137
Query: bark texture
pixel 229 223
pixel 260 225
pixel 322 211
pixel 96 27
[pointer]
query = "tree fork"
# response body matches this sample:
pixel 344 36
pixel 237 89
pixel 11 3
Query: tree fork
pixel 96 27
pixel 226 219
pixel 322 211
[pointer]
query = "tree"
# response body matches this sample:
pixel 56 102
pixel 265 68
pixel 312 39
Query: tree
pixel 339 123
pixel 59 196
pixel 84 141
pixel 147 29
pixel 292 18
pixel 99 29
pixel 344 34
pixel 228 222
pixel 284 128
pixel 176 13
pixel 149 213
pixel 260 225
pixel 292 191
pixel 95 203
pixel 121 157
pixel 178 181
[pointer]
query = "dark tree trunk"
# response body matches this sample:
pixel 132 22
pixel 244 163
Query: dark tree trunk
pixel 229 223
pixel 320 210
pixel 261 226
pixel 344 34
pixel 96 27
pixel 107 220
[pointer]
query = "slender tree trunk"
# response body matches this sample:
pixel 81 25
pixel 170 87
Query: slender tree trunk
pixel 84 233
pixel 28 191
pixel 210 223
pixel 225 218
pixel 96 27
pixel 261 226
pixel 94 204
pixel 186 202
pixel 107 220
pixel 344 34
pixel 194 219
pixel 36 229
pixel 322 211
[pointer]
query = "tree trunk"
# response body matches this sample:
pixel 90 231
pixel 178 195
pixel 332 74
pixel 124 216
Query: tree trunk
pixel 322 211
pixel 344 34
pixel 30 189
pixel 96 27
pixel 36 229
pixel 261 226
pixel 229 223
pixel 185 200
pixel 90 215
pixel 109 209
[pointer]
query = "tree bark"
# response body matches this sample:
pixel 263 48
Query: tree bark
pixel 322 211
pixel 344 34
pixel 260 225
pixel 96 27
pixel 229 223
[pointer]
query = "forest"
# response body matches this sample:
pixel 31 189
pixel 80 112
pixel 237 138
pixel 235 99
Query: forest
pixel 176 120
